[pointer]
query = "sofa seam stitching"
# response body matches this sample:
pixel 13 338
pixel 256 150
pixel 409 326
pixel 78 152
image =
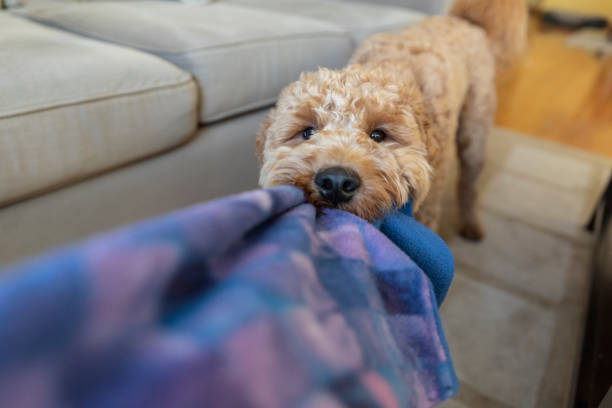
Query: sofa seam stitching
pixel 58 105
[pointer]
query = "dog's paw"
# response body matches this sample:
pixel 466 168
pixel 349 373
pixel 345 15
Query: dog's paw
pixel 472 232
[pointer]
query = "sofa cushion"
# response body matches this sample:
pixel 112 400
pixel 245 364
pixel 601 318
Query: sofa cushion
pixel 424 6
pixel 71 107
pixel 241 57
pixel 360 19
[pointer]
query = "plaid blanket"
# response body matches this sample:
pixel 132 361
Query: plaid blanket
pixel 249 301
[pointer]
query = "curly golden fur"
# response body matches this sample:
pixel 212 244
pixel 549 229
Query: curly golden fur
pixel 425 87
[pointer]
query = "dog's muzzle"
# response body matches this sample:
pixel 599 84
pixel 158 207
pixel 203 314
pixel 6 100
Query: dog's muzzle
pixel 337 184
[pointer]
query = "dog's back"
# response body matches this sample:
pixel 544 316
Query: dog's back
pixel 454 59
pixel 476 39
pixel 505 25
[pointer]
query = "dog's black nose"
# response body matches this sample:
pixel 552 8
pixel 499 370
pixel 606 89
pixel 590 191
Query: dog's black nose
pixel 337 184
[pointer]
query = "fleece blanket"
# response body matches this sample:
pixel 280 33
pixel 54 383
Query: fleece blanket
pixel 249 301
pixel 422 245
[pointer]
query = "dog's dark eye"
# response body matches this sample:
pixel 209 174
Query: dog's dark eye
pixel 308 132
pixel 378 135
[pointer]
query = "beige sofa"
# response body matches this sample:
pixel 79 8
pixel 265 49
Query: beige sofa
pixel 114 112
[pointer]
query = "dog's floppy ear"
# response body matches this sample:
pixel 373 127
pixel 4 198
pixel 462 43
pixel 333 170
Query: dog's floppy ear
pixel 426 124
pixel 419 167
pixel 260 140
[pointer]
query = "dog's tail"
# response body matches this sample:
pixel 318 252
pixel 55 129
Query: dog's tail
pixel 505 22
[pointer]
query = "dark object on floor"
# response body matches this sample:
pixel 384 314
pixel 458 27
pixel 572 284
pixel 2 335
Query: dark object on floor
pixel 604 204
pixel 572 20
pixel 595 375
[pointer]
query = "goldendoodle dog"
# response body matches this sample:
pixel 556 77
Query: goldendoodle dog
pixel 370 137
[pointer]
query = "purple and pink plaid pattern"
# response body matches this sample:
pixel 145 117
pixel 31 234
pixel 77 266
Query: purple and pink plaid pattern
pixel 249 301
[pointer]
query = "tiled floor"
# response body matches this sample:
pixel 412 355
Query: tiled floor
pixel 515 313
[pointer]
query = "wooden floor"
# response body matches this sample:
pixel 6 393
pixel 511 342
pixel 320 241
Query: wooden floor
pixel 597 7
pixel 558 93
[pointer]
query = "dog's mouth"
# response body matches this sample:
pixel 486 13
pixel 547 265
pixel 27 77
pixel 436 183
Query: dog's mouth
pixel 313 197
pixel 360 205
pixel 341 189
